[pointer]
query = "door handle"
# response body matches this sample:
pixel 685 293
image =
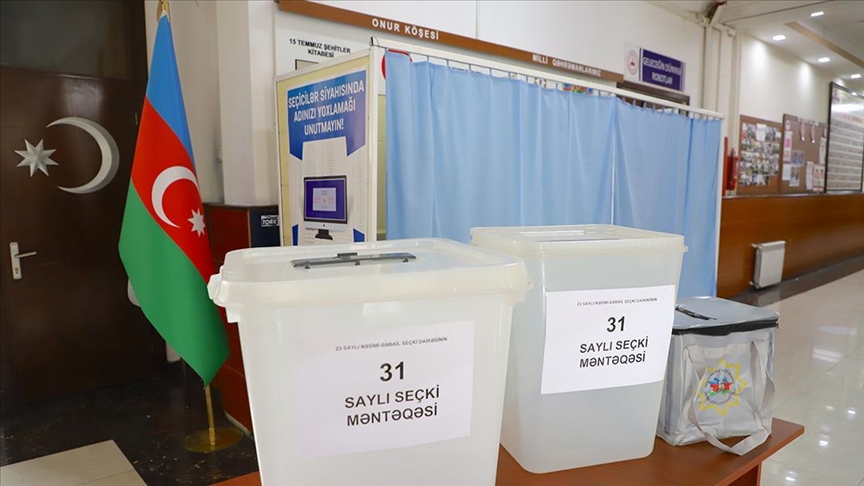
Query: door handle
pixel 16 259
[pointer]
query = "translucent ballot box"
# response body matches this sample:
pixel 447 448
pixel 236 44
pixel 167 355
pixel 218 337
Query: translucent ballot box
pixel 374 363
pixel 590 342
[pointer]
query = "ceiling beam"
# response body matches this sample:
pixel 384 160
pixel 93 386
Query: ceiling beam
pixel 813 36
pixel 752 14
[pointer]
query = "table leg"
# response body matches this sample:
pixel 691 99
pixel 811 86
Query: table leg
pixel 751 478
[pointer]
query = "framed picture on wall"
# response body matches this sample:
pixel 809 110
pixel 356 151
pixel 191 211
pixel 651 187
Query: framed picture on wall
pixel 845 140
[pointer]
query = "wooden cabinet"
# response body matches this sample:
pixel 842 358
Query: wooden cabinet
pixel 234 228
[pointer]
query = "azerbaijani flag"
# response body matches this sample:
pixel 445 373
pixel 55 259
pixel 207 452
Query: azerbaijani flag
pixel 163 242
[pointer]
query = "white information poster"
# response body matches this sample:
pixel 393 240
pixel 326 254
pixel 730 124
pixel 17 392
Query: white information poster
pixel 819 178
pixel 787 143
pixel 761 129
pixel 368 390
pixel 303 41
pixel 296 49
pixel 606 338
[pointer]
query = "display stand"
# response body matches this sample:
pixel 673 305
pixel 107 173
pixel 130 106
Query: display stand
pixel 327 141
pixel 699 463
pixel 323 234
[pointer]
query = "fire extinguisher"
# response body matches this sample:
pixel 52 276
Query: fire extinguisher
pixel 732 182
pixel 730 167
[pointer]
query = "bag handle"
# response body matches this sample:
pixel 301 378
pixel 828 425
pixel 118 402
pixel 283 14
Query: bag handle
pixel 758 361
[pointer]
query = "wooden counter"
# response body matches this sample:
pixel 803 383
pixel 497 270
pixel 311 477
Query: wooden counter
pixel 819 230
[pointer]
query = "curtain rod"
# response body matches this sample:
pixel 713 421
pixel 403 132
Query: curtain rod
pixel 528 72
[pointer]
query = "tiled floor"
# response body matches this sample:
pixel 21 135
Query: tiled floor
pixel 146 422
pixel 801 283
pixel 99 464
pixel 819 374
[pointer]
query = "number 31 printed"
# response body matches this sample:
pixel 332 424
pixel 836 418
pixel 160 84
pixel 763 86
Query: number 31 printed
pixel 388 373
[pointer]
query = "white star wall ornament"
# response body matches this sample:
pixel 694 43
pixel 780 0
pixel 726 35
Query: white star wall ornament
pixel 36 157
pixel 197 221
pixel 39 158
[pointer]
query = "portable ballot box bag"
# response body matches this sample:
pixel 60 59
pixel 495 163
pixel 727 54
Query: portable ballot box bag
pixel 374 363
pixel 589 344
pixel 719 382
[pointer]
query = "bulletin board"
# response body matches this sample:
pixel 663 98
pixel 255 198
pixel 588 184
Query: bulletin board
pixel 845 140
pixel 805 146
pixel 759 151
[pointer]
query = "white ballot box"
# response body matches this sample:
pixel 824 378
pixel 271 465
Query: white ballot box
pixel 374 363
pixel 590 342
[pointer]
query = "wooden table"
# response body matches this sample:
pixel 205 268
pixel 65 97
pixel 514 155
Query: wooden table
pixel 696 464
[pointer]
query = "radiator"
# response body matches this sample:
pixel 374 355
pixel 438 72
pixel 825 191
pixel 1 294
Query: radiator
pixel 768 269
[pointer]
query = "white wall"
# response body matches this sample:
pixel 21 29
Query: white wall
pixel 262 71
pixel 245 50
pixel 719 77
pixel 594 33
pixel 194 29
pixel 774 82
pixel 452 16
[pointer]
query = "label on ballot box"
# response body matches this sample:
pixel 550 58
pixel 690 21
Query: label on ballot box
pixel 381 388
pixel 606 338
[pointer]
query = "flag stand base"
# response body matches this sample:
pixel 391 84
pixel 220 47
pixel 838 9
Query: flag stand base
pixel 214 438
pixel 224 437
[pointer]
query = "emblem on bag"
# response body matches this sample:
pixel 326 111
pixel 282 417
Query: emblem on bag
pixel 721 387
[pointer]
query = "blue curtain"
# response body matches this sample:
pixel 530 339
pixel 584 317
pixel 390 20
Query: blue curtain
pixel 666 180
pixel 467 149
pixel 701 215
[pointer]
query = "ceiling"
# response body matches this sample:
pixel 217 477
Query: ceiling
pixel 838 34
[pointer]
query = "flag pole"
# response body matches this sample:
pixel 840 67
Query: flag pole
pixel 214 438
pixel 211 428
pixel 162 6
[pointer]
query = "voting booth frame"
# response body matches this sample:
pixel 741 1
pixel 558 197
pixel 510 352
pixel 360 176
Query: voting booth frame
pixel 338 116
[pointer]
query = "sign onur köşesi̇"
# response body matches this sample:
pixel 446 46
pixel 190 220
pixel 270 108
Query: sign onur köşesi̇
pixel 652 68
pixel 426 34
